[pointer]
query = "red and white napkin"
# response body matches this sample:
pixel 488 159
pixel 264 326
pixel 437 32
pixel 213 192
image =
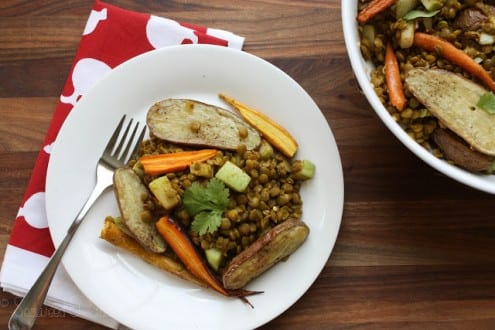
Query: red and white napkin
pixel 112 36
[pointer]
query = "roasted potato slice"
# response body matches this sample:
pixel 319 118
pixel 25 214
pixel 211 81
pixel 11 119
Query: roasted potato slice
pixel 129 192
pixel 276 244
pixel 452 99
pixel 195 123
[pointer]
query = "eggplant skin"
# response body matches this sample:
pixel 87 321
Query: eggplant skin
pixel 278 243
pixel 470 19
pixel 129 192
pixel 456 150
pixel 195 123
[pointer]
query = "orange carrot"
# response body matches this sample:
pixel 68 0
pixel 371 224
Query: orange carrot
pixel 392 78
pixel 175 161
pixel 273 132
pixel 453 54
pixel 374 8
pixel 184 248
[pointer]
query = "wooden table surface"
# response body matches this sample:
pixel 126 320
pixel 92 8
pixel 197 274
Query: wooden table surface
pixel 415 248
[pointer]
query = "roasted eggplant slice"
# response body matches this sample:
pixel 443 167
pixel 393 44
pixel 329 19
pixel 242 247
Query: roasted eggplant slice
pixel 456 150
pixel 276 244
pixel 195 123
pixel 131 194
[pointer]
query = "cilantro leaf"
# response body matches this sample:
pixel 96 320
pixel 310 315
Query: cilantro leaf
pixel 195 199
pixel 207 222
pixel 217 193
pixel 206 204
pixel 487 102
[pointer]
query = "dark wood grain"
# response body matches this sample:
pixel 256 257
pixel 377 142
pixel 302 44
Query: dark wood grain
pixel 415 248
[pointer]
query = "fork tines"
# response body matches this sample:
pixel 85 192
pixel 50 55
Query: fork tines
pixel 119 145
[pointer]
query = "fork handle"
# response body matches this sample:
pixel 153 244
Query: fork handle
pixel 27 311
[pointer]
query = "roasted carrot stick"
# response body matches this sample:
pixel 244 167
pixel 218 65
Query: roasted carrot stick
pixel 173 162
pixel 392 78
pixel 374 8
pixel 453 54
pixel 185 249
pixel 273 132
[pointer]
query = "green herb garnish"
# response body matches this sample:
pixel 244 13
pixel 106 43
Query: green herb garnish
pixel 487 102
pixel 413 14
pixel 206 205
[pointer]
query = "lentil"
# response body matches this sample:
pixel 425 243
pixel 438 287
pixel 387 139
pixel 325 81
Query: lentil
pixel 271 197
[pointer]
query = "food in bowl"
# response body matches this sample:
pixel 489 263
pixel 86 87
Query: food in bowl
pixel 434 72
pixel 209 198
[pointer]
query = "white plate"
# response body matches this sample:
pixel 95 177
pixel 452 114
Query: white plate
pixel 126 288
pixel 362 70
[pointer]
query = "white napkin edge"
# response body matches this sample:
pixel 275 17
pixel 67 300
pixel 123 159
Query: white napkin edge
pixel 234 41
pixel 23 267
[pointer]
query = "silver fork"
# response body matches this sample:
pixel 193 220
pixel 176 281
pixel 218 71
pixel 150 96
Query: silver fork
pixel 119 150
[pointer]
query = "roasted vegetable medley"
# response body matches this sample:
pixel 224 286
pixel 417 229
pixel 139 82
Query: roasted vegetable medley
pixel 434 70
pixel 208 197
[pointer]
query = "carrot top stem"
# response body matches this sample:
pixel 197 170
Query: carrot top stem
pixel 453 54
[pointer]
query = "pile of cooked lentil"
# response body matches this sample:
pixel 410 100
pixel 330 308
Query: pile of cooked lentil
pixel 469 25
pixel 271 197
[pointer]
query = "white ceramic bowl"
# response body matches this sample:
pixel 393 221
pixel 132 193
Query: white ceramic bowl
pixel 362 70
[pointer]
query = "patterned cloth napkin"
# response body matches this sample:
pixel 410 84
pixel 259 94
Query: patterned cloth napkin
pixel 112 35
